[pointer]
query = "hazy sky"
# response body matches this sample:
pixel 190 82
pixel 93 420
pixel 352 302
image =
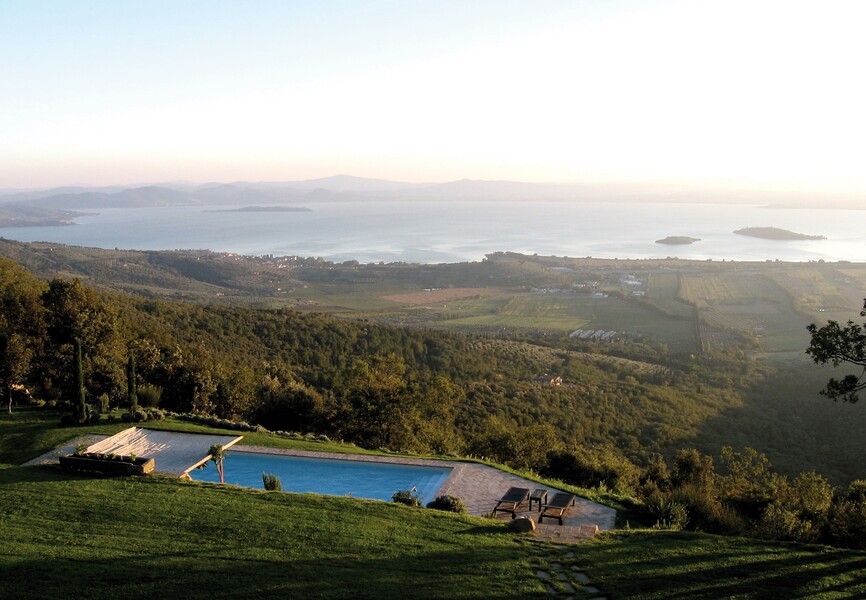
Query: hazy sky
pixel 757 92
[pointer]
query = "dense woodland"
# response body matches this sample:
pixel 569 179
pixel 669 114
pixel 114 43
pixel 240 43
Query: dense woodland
pixel 629 416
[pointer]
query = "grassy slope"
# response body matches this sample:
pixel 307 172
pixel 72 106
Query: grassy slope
pixel 29 433
pixel 664 565
pixel 67 535
pixel 74 536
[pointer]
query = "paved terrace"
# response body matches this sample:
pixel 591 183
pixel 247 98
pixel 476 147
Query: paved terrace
pixel 479 486
pixel 174 453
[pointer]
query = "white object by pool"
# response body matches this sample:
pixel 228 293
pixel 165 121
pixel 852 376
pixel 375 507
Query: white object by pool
pixel 334 477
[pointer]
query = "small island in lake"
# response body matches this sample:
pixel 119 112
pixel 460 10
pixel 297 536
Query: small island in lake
pixel 680 240
pixel 265 209
pixel 774 233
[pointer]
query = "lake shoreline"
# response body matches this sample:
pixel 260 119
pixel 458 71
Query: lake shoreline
pixel 436 233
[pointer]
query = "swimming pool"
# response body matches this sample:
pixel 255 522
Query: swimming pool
pixel 334 477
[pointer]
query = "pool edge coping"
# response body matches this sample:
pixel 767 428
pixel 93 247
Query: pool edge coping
pixel 455 466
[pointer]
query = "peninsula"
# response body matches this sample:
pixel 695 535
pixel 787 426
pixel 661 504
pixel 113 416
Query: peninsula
pixel 18 215
pixel 774 233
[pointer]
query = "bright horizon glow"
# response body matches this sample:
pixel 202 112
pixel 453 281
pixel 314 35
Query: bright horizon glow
pixel 766 94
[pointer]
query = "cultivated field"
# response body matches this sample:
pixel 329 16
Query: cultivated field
pixel 439 295
pixel 686 305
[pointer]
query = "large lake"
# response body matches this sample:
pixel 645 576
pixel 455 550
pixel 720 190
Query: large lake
pixel 436 232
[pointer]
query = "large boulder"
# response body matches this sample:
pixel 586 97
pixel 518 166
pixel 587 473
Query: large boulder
pixel 521 525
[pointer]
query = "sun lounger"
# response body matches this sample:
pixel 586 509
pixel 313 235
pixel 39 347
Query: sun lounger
pixel 512 499
pixel 557 506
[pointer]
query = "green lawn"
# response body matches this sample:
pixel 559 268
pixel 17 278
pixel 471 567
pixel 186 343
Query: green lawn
pixel 152 537
pixel 67 535
pixel 665 565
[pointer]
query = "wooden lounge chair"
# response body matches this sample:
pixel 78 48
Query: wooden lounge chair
pixel 557 506
pixel 513 498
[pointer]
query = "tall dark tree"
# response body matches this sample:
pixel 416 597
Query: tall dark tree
pixel 78 368
pixel 131 391
pixel 839 345
pixel 22 326
pixel 14 363
pixel 74 311
pixel 377 403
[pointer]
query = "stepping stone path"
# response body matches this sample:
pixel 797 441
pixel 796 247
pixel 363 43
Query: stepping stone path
pixel 565 582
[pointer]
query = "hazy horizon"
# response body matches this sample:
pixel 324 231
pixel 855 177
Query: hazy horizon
pixel 667 93
pixel 361 188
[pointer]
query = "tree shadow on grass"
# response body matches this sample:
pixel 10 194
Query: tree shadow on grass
pixel 484 529
pixel 463 574
pixel 41 474
pixel 683 566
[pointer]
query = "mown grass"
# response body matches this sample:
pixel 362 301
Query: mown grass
pixel 66 535
pixel 664 565
pixel 152 537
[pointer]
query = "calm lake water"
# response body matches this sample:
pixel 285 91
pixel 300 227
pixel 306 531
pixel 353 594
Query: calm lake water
pixel 437 232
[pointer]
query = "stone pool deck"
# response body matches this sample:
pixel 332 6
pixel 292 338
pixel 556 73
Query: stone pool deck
pixel 174 453
pixel 480 487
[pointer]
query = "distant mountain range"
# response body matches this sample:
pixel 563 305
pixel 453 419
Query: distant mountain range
pixel 54 206
pixel 339 187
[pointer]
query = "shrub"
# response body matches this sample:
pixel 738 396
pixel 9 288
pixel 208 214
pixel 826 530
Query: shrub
pixel 706 513
pixel 136 416
pixel 855 492
pixel 448 504
pixel 667 513
pixel 848 523
pixel 592 467
pixel 272 483
pixel 90 415
pixel 779 523
pixel 154 414
pixel 407 497
pixel 103 403
pixel 148 395
pixel 693 468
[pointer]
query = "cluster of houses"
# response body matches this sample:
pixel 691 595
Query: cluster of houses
pixel 593 334
pixel 548 379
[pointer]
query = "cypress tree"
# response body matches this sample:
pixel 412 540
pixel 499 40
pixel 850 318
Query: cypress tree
pixel 131 391
pixel 78 366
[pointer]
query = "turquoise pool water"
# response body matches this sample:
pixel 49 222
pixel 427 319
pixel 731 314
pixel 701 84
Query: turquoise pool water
pixel 335 477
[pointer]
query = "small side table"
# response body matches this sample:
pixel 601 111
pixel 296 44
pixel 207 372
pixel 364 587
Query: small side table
pixel 539 495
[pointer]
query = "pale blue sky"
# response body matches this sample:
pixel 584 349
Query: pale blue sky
pixel 759 92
